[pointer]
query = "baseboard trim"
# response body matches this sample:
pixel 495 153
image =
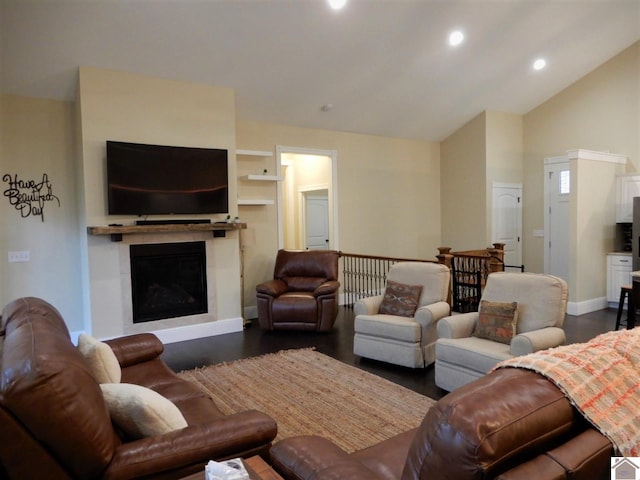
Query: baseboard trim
pixel 251 312
pixel 587 306
pixel 200 330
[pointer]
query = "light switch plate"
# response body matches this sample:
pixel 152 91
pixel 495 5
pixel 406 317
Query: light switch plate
pixel 18 256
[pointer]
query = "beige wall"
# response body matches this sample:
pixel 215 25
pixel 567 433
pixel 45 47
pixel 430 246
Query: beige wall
pixel 486 150
pixel 37 138
pixel 592 227
pixel 463 181
pixel 127 107
pixel 388 195
pixel 599 112
pixel 504 156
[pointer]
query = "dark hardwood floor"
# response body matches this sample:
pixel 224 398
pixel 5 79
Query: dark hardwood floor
pixel 339 344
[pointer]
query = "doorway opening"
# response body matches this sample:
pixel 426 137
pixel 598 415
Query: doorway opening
pixel 307 199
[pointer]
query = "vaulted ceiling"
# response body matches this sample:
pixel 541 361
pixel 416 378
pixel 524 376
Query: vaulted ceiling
pixel 383 66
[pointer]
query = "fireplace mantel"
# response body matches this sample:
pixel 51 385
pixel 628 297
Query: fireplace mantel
pixel 116 231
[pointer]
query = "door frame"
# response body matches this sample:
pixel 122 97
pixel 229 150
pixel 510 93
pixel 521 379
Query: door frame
pixel 332 188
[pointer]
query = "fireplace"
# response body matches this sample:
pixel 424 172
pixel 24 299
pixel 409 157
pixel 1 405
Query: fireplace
pixel 168 280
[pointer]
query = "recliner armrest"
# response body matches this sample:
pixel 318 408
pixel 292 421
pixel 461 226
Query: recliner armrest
pixel 327 288
pixel 137 348
pixel 312 457
pixel 457 326
pixel 273 288
pixel 529 342
pixel 194 445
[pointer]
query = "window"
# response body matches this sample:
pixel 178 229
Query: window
pixel 565 182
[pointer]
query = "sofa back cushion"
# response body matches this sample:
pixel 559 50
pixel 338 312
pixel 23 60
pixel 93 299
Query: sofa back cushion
pixel 47 387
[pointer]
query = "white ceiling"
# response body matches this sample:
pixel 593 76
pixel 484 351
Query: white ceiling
pixel 385 65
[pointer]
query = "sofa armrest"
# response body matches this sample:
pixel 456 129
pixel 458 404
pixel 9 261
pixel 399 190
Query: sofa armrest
pixel 138 348
pixel 367 305
pixel 529 342
pixel 587 455
pixel 312 457
pixel 327 288
pixel 457 326
pixel 432 313
pixel 273 288
pixel 194 445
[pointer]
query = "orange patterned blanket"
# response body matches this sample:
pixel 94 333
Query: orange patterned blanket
pixel 601 378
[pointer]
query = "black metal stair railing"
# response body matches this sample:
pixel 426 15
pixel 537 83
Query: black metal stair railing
pixel 366 275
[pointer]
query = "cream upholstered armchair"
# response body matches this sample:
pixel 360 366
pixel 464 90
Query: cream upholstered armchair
pixel 399 326
pixel 519 313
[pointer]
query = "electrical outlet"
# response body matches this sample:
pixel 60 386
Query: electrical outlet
pixel 19 256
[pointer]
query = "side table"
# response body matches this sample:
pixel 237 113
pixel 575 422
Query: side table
pixel 258 470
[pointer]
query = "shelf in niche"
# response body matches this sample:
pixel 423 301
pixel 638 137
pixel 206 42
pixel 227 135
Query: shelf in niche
pixel 254 153
pixel 256 201
pixel 262 178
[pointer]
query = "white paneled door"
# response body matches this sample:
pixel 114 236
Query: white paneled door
pixel 507 221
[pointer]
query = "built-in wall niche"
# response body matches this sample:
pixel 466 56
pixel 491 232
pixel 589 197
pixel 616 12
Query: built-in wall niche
pixel 259 164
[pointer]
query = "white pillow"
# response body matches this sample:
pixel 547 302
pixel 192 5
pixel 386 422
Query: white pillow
pixel 103 364
pixel 139 411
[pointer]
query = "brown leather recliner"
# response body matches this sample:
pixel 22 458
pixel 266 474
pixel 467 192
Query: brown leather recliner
pixel 303 294
pixel 55 423
pixel 512 424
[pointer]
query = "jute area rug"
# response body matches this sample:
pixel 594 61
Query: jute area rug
pixel 309 393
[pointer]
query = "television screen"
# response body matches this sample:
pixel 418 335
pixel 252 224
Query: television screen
pixel 160 179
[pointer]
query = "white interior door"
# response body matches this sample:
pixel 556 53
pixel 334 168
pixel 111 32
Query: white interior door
pixel 507 221
pixel 316 222
pixel 557 195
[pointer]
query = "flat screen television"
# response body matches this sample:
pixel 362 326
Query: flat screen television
pixel 161 180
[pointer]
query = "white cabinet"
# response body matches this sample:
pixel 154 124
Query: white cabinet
pixel 618 274
pixel 628 186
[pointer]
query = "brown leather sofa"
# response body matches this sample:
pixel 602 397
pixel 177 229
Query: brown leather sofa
pixel 55 424
pixel 512 424
pixel 303 294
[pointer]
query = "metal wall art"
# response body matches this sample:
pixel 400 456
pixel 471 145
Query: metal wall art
pixel 29 197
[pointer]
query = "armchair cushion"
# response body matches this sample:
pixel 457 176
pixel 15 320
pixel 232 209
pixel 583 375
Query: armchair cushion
pixel 497 321
pixel 100 358
pixel 400 299
pixel 303 284
pixel 139 411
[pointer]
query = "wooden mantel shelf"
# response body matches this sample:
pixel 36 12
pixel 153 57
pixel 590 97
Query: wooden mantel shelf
pixel 116 231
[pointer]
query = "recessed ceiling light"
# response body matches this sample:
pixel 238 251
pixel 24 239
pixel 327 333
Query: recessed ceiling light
pixel 455 38
pixel 337 4
pixel 539 64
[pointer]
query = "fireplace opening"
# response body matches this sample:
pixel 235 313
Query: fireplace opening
pixel 168 280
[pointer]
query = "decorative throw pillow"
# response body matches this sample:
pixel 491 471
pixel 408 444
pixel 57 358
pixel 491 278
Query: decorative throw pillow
pixel 400 299
pixel 139 411
pixel 102 362
pixel 497 321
